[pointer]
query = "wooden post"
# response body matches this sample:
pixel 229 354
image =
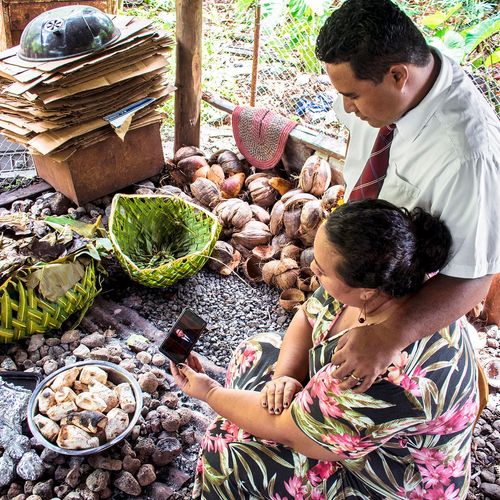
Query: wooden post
pixel 188 73
pixel 255 61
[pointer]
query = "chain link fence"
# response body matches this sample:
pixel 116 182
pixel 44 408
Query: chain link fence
pixel 290 80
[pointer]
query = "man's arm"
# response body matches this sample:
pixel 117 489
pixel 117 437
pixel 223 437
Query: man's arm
pixel 367 351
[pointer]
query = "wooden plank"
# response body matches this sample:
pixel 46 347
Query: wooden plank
pixel 9 197
pixel 188 73
pixel 300 134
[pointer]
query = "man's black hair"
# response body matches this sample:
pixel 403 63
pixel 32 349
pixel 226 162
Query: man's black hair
pixel 371 35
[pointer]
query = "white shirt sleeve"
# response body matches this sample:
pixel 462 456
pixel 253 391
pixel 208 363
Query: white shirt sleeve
pixel 469 205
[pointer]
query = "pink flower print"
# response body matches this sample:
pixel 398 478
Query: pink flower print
pixel 428 456
pixel 434 476
pixel 295 487
pixel 233 432
pixel 456 467
pixel 348 443
pixel 320 472
pixel 410 384
pixel 330 408
pixel 313 477
pixel 325 469
pixel 199 466
pixel 418 493
pixel 246 358
pixel 211 442
pixel 317 495
pixel 278 497
pixel 453 420
pixel 304 400
pixel 451 493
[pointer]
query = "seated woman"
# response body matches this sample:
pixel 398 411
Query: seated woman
pixel 408 436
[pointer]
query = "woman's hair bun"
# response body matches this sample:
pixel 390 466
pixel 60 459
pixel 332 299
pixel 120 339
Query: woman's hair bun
pixel 433 240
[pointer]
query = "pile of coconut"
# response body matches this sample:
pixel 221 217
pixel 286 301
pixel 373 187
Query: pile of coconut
pixel 269 221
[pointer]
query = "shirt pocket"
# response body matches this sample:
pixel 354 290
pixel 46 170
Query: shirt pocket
pixel 398 190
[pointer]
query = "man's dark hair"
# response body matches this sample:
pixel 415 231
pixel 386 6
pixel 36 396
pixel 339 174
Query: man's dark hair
pixel 371 35
pixel 386 247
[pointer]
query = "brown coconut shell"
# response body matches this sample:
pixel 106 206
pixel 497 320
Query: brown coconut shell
pixel 252 269
pixel 291 252
pixel 291 298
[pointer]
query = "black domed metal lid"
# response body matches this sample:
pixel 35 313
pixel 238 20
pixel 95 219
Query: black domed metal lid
pixel 66 32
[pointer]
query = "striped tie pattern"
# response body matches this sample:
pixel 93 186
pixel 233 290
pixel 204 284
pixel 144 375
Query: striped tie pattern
pixel 371 179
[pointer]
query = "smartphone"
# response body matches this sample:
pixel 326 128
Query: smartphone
pixel 183 336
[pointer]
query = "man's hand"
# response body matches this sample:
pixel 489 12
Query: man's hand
pixel 364 353
pixel 278 393
pixel 192 383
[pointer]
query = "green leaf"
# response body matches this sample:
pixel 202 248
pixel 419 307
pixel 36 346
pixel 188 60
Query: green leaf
pixel 439 17
pixel 480 32
pixel 83 229
pixel 54 280
pixel 492 58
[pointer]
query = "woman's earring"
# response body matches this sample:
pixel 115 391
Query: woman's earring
pixel 362 313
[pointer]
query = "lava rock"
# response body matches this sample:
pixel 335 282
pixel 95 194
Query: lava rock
pixel 71 336
pixel 146 475
pixel 491 490
pixel 166 450
pixel 144 357
pixel 18 446
pixel 106 463
pixel 131 464
pixel 148 382
pixel 36 341
pixel 30 467
pixel 44 489
pixel 7 468
pixel 160 490
pixel 97 480
pixel 128 484
pixel 82 351
pixel 93 340
pixel 159 359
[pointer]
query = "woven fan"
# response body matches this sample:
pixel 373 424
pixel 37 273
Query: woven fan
pixel 160 239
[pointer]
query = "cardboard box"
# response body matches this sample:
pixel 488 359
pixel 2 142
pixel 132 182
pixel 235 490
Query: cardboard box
pixel 16 14
pixel 107 166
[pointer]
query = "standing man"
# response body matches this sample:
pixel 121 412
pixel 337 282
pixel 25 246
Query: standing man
pixel 421 135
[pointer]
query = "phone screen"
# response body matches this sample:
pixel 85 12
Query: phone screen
pixel 183 336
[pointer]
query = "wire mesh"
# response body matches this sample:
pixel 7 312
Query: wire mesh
pixel 290 79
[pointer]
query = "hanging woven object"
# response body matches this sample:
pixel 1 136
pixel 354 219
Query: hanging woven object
pixel 33 300
pixel 160 239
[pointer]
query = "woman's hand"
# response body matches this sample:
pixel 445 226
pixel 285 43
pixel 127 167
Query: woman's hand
pixel 278 393
pixel 194 362
pixel 194 384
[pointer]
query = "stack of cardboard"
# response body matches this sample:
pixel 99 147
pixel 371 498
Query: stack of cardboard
pixel 56 108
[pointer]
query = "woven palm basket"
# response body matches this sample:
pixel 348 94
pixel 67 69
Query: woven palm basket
pixel 160 239
pixel 24 312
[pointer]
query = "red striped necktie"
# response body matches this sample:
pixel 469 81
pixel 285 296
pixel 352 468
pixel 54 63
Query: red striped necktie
pixel 370 182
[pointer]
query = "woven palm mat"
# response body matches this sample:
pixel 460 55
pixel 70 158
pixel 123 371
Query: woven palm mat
pixel 260 135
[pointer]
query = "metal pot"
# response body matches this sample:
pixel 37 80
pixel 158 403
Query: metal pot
pixel 117 375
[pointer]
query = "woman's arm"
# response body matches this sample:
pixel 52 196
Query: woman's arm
pixel 293 360
pixel 243 409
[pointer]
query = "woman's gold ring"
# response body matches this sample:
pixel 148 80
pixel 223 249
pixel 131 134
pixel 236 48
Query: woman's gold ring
pixel 357 379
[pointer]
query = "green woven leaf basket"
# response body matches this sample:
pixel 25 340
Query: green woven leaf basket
pixel 24 311
pixel 160 239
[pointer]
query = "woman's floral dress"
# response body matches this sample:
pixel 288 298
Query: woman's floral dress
pixel 408 436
